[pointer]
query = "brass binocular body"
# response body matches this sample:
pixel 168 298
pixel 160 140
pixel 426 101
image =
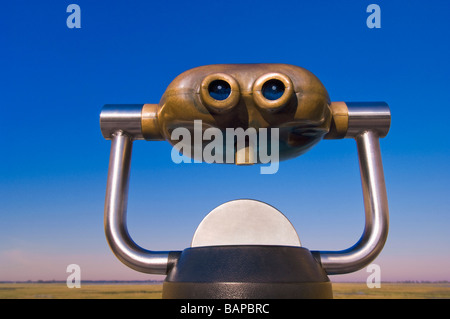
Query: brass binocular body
pixel 255 96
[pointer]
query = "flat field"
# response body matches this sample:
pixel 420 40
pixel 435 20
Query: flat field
pixel 154 291
pixel 392 291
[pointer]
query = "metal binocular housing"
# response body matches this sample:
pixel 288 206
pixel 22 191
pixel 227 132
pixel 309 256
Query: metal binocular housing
pixel 260 98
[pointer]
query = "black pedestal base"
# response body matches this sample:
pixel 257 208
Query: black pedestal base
pixel 247 272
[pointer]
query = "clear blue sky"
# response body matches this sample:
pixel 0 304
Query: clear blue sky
pixel 54 81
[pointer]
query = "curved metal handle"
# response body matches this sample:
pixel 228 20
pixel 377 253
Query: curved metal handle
pixel 366 124
pixel 126 250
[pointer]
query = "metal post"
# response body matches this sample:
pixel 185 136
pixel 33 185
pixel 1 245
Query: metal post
pixel 126 250
pixel 366 133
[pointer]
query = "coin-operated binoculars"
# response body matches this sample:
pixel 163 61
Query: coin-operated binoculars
pixel 246 248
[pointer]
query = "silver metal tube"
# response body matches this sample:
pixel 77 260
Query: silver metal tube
pixel 376 211
pixel 125 249
pixel 363 116
pixel 126 117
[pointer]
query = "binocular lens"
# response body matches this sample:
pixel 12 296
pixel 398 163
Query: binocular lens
pixel 273 89
pixel 219 90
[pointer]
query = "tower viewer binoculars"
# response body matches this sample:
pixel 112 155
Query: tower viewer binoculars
pixel 246 248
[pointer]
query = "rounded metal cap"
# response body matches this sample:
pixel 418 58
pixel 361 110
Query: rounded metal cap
pixel 245 222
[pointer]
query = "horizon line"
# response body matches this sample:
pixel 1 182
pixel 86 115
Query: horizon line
pixel 161 281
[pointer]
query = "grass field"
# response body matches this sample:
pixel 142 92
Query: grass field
pixel 140 291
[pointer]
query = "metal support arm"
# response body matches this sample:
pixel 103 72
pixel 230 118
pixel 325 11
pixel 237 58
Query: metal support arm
pixel 366 124
pixel 125 249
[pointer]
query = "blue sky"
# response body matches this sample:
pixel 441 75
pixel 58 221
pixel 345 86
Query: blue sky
pixel 54 159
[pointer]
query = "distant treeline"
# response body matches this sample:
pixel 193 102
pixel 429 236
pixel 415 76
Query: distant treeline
pixel 155 282
pixel 400 282
pixel 98 282
pixel 419 282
